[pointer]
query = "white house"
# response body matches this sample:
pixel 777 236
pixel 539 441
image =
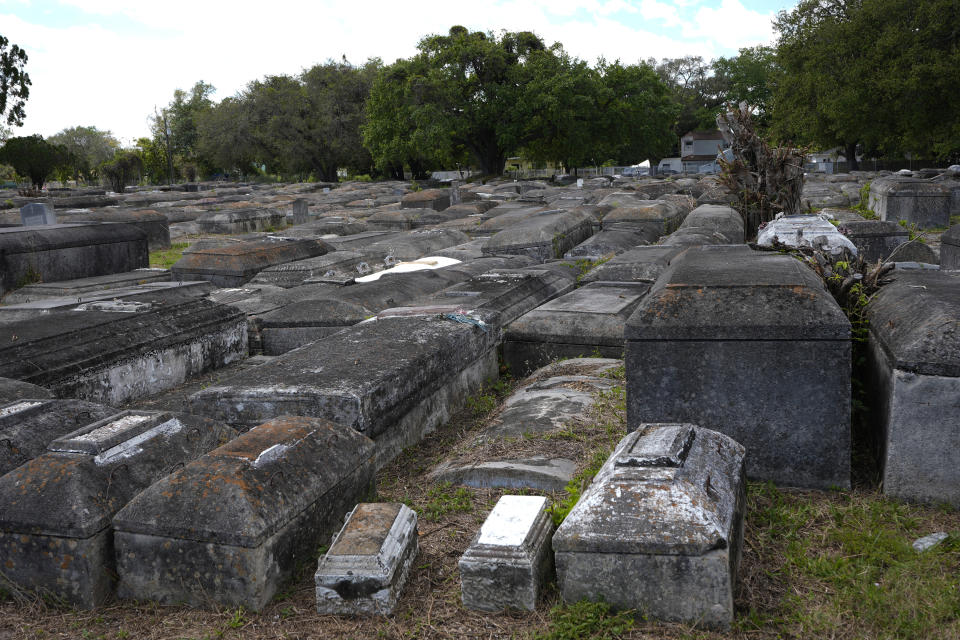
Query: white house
pixel 698 148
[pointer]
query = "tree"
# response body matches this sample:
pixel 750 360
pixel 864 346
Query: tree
pixel 695 89
pixel 749 77
pixel 122 170
pixel 468 91
pixel 394 132
pixel 878 73
pixel 637 113
pixel 226 137
pixel 182 116
pixel 87 149
pixel 33 157
pixel 14 82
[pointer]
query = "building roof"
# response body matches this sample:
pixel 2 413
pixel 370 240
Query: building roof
pixel 704 134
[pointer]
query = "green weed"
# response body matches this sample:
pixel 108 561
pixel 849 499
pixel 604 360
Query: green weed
pixel 166 258
pixel 586 620
pixel 443 499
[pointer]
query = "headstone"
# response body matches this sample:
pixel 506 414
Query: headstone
pixel 301 214
pixel 368 563
pixel 752 345
pixel 579 183
pixel 660 529
pixel 915 384
pixel 55 527
pixel 37 213
pixel 509 563
pixel 231 527
pixel 454 192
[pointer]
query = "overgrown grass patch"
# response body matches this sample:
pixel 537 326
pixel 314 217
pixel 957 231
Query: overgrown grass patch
pixel 166 258
pixel 844 566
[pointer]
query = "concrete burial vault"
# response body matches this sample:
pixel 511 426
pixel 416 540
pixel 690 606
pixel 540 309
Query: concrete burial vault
pixel 55 526
pixel 660 529
pixel 230 527
pixel 750 344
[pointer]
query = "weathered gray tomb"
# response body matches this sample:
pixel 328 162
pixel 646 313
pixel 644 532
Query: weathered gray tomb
pixel 55 529
pixel 231 527
pixel 750 344
pixel 369 561
pixel 660 530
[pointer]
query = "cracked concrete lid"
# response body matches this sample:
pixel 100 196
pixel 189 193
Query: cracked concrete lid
pixel 247 489
pixel 667 489
pixel 731 292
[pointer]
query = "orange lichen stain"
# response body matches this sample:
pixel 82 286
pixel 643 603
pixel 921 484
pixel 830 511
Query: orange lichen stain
pixel 9 564
pixel 67 561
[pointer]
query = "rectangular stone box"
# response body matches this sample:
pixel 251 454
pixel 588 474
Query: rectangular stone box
pixel 67 251
pixel 874 239
pixel 920 202
pixel 543 236
pixel 914 361
pixel 586 321
pixel 642 264
pixel 80 287
pixel 752 345
pixel 508 293
pixel 394 379
pixel 28 426
pixel 368 563
pixel 242 221
pixel 232 527
pixel 660 529
pixel 509 561
pixel 55 531
pixel 294 274
pixel 950 249
pixel 236 264
pixel 116 351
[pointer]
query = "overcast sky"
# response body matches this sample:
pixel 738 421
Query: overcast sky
pixel 108 63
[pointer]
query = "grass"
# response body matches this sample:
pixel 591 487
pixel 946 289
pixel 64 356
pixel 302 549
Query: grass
pixel 166 258
pixel 815 564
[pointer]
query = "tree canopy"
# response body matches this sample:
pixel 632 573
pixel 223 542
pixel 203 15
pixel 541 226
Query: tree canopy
pixel 879 73
pixel 474 96
pixel 87 148
pixel 14 82
pixel 33 157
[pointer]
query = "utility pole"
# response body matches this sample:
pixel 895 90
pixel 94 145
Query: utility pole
pixel 166 131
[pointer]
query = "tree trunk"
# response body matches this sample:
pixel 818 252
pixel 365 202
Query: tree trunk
pixel 850 150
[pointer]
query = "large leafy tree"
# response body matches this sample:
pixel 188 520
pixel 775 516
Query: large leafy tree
pixel 14 82
pixel 87 149
pixel 748 77
pixel 697 92
pixel 466 90
pixel 878 73
pixel 33 157
pixel 181 118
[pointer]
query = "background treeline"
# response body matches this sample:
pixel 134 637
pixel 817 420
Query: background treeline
pixel 876 76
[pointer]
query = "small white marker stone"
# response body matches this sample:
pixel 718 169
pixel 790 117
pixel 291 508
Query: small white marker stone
pixel 510 558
